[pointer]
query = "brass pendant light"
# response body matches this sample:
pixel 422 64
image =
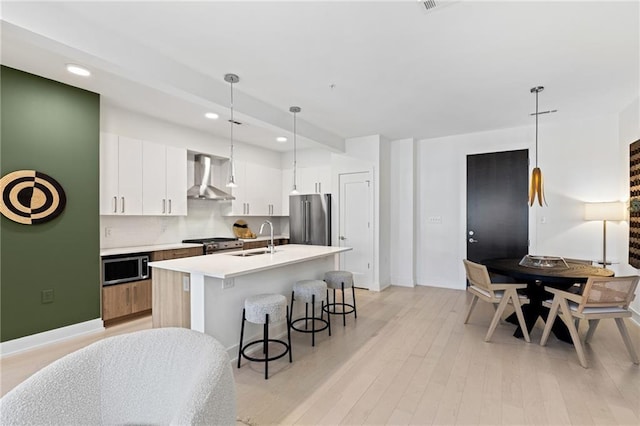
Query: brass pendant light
pixel 294 110
pixel 231 181
pixel 537 184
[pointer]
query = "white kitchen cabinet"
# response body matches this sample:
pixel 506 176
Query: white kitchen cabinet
pixel 311 180
pixel 287 187
pixel 120 175
pixel 164 180
pixel 258 192
pixel 239 205
pixel 271 190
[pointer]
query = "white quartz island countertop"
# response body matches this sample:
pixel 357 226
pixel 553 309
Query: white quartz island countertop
pixel 230 264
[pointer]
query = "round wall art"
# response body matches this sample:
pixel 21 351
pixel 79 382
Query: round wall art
pixel 30 197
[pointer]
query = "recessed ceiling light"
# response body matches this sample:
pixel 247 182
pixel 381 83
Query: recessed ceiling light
pixel 281 139
pixel 78 70
pixel 212 115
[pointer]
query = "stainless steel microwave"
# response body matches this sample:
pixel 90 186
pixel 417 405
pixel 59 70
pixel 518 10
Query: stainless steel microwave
pixel 125 268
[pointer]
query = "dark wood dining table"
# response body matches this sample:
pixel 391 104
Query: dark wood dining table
pixel 536 278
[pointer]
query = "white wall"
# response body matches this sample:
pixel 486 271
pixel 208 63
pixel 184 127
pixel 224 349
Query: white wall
pixel 402 213
pixel 204 217
pixel 580 161
pixel 375 150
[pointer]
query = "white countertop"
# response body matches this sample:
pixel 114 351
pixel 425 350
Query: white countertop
pixel 140 249
pixel 226 265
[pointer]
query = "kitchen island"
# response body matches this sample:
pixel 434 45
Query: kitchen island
pixel 206 293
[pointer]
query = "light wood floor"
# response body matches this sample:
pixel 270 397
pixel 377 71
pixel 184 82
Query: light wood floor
pixel 408 359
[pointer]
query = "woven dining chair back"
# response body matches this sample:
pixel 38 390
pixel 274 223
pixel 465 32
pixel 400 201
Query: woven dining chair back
pixel 611 292
pixel 478 276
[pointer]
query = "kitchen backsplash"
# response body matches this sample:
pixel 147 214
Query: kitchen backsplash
pixel 204 220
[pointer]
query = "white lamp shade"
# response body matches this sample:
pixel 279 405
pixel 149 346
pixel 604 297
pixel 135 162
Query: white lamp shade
pixel 604 211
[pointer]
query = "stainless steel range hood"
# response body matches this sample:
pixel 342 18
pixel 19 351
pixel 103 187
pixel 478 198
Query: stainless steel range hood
pixel 202 190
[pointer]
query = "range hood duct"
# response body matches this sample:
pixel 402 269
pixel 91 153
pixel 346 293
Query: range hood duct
pixel 202 190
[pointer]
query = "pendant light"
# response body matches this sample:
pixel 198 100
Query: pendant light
pixel 294 110
pixel 231 181
pixel 537 185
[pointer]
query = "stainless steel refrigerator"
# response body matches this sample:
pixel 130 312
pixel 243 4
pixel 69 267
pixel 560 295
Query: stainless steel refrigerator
pixel 310 219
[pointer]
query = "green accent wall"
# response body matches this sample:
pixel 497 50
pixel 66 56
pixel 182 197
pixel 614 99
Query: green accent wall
pixel 55 129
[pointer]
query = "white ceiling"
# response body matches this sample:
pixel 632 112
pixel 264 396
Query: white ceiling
pixel 355 68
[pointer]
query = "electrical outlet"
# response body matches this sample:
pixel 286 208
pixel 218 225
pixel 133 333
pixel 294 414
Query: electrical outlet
pixel 228 283
pixel 107 232
pixel 46 296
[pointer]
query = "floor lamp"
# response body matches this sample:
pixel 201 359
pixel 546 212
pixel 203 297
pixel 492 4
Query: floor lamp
pixel 604 212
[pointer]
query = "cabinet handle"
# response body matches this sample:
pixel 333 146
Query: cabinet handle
pixel 247 208
pixel 169 205
pixel 164 205
pixel 319 187
pixel 316 187
pixel 122 204
pixel 115 204
pixel 134 294
pixel 128 295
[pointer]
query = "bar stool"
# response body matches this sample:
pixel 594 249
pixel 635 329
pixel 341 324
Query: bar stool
pixel 340 280
pixel 310 291
pixel 265 309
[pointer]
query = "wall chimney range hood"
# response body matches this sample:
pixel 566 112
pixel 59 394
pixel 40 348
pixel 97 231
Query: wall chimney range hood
pixel 202 190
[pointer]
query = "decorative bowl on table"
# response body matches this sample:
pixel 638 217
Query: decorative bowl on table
pixel 546 262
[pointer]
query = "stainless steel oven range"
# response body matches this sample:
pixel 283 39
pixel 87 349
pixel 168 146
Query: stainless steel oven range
pixel 216 244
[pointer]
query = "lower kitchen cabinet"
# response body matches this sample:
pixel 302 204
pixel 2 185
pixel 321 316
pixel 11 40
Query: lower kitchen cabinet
pixel 122 300
pixel 248 245
pixel 175 253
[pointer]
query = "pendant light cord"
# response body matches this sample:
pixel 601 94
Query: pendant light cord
pixel 295 159
pixel 231 154
pixel 537 127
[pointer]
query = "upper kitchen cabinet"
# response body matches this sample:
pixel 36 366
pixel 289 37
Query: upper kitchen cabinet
pixel 258 192
pixel 120 175
pixel 164 180
pixel 309 180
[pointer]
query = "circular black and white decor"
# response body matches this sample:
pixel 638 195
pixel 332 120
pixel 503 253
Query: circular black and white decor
pixel 30 197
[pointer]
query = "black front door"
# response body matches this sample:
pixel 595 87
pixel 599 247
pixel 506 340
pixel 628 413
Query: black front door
pixel 497 208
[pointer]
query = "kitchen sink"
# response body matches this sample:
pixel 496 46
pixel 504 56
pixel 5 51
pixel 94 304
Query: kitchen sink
pixel 250 253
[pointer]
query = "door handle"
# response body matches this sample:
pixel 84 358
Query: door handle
pixel 473 240
pixel 343 238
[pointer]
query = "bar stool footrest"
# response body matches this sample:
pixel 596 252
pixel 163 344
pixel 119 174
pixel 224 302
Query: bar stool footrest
pixel 334 305
pixel 324 322
pixel 273 358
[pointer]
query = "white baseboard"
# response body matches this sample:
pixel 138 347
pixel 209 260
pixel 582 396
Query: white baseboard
pixel 635 316
pixel 403 281
pixel 15 346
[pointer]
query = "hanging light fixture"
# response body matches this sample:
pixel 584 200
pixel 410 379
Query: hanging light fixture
pixel 537 185
pixel 294 110
pixel 231 181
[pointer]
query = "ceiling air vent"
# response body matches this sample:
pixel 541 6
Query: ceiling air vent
pixel 432 5
pixel 429 4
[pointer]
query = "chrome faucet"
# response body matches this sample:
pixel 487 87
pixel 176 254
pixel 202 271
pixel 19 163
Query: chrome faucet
pixel 271 246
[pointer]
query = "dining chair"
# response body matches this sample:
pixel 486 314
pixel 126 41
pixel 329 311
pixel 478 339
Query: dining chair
pixel 481 287
pixel 601 298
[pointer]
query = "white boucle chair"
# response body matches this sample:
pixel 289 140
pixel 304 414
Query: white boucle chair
pixel 160 376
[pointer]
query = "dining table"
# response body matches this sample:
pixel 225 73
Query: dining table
pixel 562 275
